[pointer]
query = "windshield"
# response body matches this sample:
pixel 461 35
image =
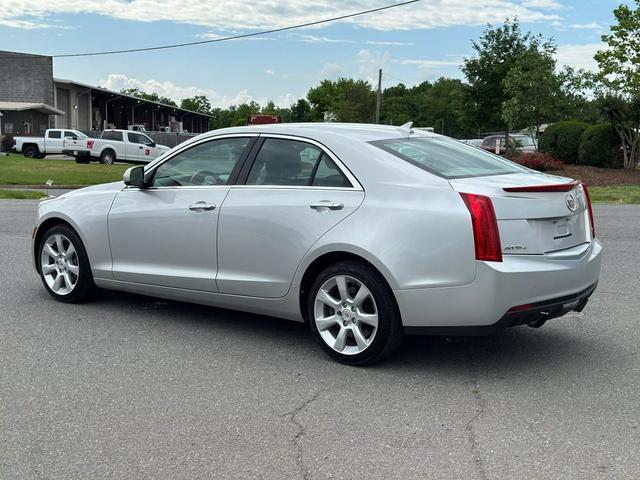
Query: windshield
pixel 524 140
pixel 448 158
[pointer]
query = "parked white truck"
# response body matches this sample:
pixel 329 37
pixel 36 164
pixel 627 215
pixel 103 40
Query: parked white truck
pixel 52 143
pixel 120 145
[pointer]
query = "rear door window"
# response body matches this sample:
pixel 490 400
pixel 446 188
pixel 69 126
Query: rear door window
pixel 55 134
pixel 294 163
pixel 448 158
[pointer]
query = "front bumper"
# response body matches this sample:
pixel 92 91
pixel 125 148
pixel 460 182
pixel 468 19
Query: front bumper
pixel 531 281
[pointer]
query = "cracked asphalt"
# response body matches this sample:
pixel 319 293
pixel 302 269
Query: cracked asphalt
pixel 132 387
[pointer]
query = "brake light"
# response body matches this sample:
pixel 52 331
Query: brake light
pixel 560 187
pixel 89 144
pixel 486 236
pixel 591 220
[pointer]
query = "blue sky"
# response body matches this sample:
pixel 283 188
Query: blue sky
pixel 421 41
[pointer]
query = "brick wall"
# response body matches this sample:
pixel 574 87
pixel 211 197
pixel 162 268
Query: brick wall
pixel 26 78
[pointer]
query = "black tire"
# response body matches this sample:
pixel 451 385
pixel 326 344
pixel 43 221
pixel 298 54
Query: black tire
pixel 82 159
pixel 108 157
pixel 31 152
pixel 389 334
pixel 41 155
pixel 84 288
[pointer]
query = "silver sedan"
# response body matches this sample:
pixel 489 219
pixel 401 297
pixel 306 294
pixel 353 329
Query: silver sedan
pixel 364 232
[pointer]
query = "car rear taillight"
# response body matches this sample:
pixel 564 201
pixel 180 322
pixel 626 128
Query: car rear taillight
pixel 591 219
pixel 89 144
pixel 485 227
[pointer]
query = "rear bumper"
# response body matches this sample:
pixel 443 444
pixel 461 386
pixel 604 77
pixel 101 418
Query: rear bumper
pixel 537 283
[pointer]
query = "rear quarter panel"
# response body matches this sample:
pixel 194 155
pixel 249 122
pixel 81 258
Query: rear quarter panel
pixel 416 236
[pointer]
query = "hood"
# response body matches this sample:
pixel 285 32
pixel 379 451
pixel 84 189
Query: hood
pixel 103 187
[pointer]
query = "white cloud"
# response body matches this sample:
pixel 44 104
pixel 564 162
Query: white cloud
pixel 370 62
pixel 428 64
pixel 376 42
pixel 315 39
pixel 268 71
pixel 238 15
pixel 578 56
pixel 331 70
pixel 166 88
pixel 587 26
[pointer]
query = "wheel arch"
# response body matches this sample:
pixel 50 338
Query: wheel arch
pixel 324 259
pixel 109 148
pixel 45 225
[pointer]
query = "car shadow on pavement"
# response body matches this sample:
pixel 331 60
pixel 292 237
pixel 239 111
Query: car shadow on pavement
pixel 560 343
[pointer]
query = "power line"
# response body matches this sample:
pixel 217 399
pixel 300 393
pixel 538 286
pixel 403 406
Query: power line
pixel 235 37
pixel 395 78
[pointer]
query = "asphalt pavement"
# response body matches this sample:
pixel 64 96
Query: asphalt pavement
pixel 131 387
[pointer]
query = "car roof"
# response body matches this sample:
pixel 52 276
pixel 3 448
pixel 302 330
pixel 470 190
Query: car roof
pixel 361 131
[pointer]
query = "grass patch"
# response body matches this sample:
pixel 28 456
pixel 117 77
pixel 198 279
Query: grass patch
pixel 623 194
pixel 19 170
pixel 21 194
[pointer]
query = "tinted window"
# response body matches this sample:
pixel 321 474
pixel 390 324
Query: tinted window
pixel 284 162
pixel 111 135
pixel 448 158
pixel 55 134
pixel 209 163
pixel 329 175
pixel 139 138
pixel 489 142
pixel 68 134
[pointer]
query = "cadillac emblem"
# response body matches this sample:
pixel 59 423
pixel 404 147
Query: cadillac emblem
pixel 571 202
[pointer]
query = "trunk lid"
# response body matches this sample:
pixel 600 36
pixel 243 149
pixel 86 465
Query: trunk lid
pixel 534 222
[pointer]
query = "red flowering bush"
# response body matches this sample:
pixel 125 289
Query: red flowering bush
pixel 539 161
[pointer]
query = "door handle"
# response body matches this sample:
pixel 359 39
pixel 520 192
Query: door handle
pixel 140 147
pixel 202 207
pixel 327 204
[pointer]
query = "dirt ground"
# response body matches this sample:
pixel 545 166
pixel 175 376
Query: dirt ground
pixel 596 176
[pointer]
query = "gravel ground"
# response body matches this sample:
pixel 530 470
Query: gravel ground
pixel 133 387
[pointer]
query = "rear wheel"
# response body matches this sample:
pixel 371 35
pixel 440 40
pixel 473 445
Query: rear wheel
pixel 352 313
pixel 31 152
pixel 108 157
pixel 63 265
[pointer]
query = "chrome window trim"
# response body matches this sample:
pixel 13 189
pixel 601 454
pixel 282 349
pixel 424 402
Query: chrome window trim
pixel 341 166
pixel 152 167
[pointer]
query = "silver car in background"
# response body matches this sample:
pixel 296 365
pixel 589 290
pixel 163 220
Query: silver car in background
pixel 365 232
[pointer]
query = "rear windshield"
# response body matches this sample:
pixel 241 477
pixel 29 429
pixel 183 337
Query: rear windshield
pixel 448 158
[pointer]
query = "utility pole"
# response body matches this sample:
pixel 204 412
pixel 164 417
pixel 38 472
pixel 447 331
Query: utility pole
pixel 379 96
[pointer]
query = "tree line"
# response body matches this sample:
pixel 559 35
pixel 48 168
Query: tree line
pixel 511 82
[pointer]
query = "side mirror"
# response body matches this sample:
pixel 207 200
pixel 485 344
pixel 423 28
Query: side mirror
pixel 134 177
pixel 152 144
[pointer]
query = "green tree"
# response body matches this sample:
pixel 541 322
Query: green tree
pixel 301 111
pixel 346 100
pixel 497 52
pixel 618 80
pixel 153 97
pixel 199 103
pixel 531 89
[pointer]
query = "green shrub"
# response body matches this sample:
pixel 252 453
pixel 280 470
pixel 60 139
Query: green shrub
pixel 561 140
pixel 600 147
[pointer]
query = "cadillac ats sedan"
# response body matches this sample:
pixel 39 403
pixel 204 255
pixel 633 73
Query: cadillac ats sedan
pixel 365 232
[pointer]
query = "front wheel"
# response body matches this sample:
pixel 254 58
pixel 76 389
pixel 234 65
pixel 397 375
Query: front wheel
pixel 352 313
pixel 63 265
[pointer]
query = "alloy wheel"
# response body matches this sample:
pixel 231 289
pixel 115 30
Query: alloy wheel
pixel 59 264
pixel 345 314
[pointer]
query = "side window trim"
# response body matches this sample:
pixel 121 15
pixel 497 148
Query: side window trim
pixel 244 174
pixel 150 174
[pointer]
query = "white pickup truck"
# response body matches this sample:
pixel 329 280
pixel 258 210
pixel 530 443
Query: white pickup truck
pixel 52 143
pixel 120 145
